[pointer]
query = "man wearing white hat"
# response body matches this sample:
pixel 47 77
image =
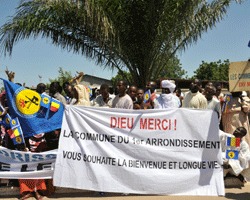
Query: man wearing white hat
pixel 167 99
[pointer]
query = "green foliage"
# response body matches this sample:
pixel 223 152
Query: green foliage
pixel 121 75
pixel 138 36
pixel 216 71
pixel 173 69
pixel 62 77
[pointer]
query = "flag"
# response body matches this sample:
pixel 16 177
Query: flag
pixel 90 91
pixel 6 118
pixel 233 142
pixel 45 101
pixel 232 154
pixel 1 109
pixel 147 95
pixel 44 106
pixel 227 102
pixel 6 121
pixel 55 105
pixel 249 43
pixel 27 104
pixel 16 133
pixel 14 123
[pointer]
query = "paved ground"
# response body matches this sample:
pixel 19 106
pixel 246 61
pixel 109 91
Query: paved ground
pixel 69 194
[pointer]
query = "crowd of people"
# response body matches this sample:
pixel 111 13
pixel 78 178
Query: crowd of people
pixel 232 115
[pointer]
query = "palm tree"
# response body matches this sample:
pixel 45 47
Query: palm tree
pixel 139 36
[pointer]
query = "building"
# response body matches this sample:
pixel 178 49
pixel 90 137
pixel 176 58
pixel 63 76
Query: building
pixel 94 82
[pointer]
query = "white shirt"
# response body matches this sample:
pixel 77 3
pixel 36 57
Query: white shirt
pixel 214 104
pixel 167 101
pixel 195 100
pixel 98 101
pixel 124 102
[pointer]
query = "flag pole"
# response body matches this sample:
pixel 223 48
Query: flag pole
pixel 25 147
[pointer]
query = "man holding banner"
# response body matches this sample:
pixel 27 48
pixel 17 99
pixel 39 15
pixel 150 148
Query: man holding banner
pixel 140 151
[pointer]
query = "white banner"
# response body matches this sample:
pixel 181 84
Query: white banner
pixel 20 164
pixel 173 152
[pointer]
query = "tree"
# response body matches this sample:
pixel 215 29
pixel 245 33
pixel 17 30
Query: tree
pixel 62 77
pixel 121 76
pixel 139 36
pixel 173 69
pixel 216 71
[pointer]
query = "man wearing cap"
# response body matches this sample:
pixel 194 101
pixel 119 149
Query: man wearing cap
pixel 167 99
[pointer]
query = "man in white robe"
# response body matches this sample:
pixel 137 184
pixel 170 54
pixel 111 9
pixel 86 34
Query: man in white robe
pixel 167 99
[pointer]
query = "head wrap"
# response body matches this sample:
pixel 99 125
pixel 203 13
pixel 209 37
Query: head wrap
pixel 168 84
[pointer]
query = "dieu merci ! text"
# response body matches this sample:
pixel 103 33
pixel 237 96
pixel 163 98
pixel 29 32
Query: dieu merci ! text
pixel 144 123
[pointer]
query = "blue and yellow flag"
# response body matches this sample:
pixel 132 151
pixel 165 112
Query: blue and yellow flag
pixel 16 133
pixel 227 102
pixel 90 91
pixel 6 121
pixel 6 118
pixel 147 95
pixel 232 154
pixel 14 123
pixel 32 109
pixel 45 101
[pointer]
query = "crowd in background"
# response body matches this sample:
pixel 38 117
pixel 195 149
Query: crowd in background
pixel 232 113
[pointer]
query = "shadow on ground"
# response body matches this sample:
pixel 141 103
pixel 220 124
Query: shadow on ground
pixel 238 196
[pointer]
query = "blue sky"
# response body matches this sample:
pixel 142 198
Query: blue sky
pixel 33 58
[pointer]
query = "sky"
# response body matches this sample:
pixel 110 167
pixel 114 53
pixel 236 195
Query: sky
pixel 35 58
